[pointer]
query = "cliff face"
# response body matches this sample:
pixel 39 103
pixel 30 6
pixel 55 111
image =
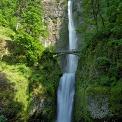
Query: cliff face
pixel 55 17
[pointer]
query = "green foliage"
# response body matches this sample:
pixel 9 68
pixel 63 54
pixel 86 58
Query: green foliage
pixel 116 98
pixel 99 69
pixel 13 88
pixel 101 19
pixel 7 17
pixel 102 61
pixel 30 74
pixel 2 119
pixel 25 20
pixel 43 82
pixel 25 16
pixel 6 33
pixel 33 19
pixel 27 46
pixel 115 43
pixel 97 90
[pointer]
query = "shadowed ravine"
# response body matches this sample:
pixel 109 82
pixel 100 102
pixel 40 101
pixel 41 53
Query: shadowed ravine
pixel 66 89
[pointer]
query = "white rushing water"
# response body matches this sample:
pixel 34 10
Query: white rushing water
pixel 66 89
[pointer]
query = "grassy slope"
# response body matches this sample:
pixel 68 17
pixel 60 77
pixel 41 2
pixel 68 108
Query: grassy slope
pixel 17 75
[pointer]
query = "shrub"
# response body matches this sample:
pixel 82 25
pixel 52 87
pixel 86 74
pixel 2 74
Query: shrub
pixel 26 45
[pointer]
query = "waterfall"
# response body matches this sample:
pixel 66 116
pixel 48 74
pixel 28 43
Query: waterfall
pixel 66 89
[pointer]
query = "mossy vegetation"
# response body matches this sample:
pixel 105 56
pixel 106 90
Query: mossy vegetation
pixel 43 86
pixel 25 88
pixel 99 73
pixel 100 60
pixel 29 73
pixel 13 91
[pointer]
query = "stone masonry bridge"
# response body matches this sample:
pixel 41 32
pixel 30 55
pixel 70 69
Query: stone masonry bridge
pixel 65 52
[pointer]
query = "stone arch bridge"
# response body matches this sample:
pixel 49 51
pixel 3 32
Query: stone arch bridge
pixel 65 52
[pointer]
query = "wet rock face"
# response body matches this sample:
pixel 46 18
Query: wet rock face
pixel 77 12
pixel 41 105
pixel 54 15
pixel 98 106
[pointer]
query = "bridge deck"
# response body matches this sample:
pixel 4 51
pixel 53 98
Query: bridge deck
pixel 64 52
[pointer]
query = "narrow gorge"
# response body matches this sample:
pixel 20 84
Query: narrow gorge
pixel 66 89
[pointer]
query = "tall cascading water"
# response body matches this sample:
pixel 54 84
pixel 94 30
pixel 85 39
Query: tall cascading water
pixel 66 89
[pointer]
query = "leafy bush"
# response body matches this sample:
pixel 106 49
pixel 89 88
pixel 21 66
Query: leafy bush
pixel 27 46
